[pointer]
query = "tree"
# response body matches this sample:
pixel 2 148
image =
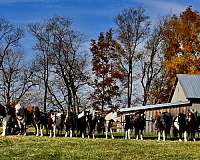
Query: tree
pixel 182 44
pixel 107 70
pixel 43 59
pixel 16 78
pixel 10 36
pixel 70 62
pixel 151 64
pixel 63 63
pixel 132 28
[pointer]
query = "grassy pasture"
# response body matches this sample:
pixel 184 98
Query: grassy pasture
pixel 31 147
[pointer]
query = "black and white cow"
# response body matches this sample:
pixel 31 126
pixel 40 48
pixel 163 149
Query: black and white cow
pixel 92 123
pixel 110 118
pixel 24 117
pixel 55 121
pixel 100 124
pixel 128 126
pixel 40 120
pixel 180 126
pixel 163 123
pixel 5 116
pixel 82 124
pixel 139 122
pixel 70 122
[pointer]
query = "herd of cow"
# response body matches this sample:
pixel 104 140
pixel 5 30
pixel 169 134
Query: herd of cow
pixel 16 118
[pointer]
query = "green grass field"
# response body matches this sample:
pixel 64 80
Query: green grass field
pixel 31 147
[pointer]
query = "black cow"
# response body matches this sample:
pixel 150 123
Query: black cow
pixel 70 122
pixel 139 122
pixel 128 126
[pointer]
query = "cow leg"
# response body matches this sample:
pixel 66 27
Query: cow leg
pixel 159 135
pixel 106 132
pixel 4 123
pixel 111 133
pixel 20 127
pixel 185 136
pixel 126 134
pixel 54 131
pixel 70 133
pixel 37 129
pixel 93 136
pixel 193 135
pixel 129 133
pixel 141 135
pixel 66 134
pixel 82 134
pixel 89 133
pixel 50 133
pixel 41 130
pixel 164 135
pixel 137 134
pixel 58 131
pixel 24 129
pixel 47 128
pixel 180 136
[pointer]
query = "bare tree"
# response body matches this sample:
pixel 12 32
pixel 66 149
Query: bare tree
pixel 132 28
pixel 70 63
pixel 10 36
pixel 63 63
pixel 16 78
pixel 151 62
pixel 43 59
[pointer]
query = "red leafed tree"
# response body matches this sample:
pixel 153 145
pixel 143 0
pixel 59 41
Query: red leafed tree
pixel 106 68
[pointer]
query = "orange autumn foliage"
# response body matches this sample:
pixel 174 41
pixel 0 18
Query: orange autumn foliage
pixel 181 44
pixel 106 68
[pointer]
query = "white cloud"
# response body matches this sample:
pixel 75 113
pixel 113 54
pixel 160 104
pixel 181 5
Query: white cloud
pixel 156 9
pixel 163 6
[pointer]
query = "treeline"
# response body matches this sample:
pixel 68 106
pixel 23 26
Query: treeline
pixel 132 62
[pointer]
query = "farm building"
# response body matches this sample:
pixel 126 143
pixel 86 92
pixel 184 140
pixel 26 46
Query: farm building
pixel 186 95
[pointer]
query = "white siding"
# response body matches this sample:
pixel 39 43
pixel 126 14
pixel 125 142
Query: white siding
pixel 178 94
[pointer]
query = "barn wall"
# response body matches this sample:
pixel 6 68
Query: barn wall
pixel 178 94
pixel 195 106
pixel 150 114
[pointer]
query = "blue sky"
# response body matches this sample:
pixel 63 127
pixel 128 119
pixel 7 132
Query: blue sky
pixel 89 16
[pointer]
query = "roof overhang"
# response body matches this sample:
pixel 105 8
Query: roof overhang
pixel 156 106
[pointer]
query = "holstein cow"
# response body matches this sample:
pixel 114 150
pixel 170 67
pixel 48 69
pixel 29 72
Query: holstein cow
pixel 83 124
pixel 180 126
pixel 5 115
pixel 40 120
pixel 110 118
pixel 70 123
pixel 92 123
pixel 128 126
pixel 55 120
pixel 163 122
pixel 24 117
pixel 100 123
pixel 192 125
pixel 139 122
